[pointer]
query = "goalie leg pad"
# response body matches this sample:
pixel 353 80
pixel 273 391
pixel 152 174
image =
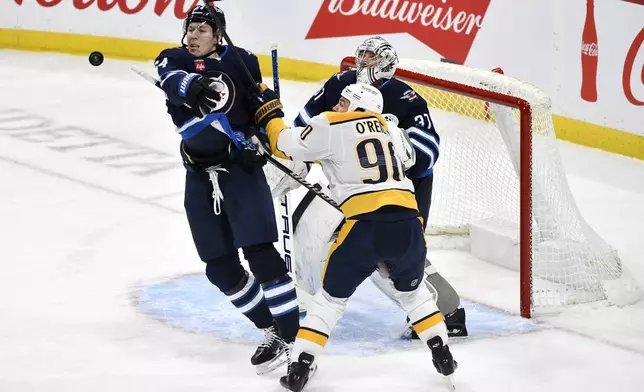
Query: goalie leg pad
pixel 447 298
pixel 314 223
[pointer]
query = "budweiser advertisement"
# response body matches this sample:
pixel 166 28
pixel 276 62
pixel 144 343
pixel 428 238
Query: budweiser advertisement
pixel 449 27
pixel 587 55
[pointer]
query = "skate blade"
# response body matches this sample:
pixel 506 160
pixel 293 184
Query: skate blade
pixel 268 367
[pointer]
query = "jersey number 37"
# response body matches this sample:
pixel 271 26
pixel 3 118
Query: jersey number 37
pixel 374 156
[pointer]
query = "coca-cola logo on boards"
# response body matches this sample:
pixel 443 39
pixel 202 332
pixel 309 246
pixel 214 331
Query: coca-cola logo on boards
pixel 589 49
pixel 629 63
pixel 129 7
pixel 447 26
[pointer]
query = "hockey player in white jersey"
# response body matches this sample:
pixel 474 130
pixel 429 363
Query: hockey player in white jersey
pixel 382 228
pixel 314 222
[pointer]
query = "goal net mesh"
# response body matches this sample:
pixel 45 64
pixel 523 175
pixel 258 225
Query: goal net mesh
pixel 477 183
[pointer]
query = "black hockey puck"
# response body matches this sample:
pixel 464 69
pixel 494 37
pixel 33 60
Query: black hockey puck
pixel 96 58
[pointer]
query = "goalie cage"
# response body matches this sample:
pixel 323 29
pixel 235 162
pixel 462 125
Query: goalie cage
pixel 499 175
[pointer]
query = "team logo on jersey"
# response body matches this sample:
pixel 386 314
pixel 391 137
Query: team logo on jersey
pixel 200 65
pixel 409 95
pixel 447 26
pixel 223 84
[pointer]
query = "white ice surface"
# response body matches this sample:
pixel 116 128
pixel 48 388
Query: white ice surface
pixel 77 237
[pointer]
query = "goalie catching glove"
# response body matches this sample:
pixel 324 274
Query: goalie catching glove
pixel 265 105
pixel 401 141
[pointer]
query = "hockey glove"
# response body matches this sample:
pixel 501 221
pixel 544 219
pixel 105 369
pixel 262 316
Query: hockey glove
pixel 202 96
pixel 265 105
pixel 252 158
pixel 249 158
pixel 248 153
pixel 256 138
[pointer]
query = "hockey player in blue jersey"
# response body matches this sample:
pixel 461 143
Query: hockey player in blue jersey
pixel 376 62
pixel 227 199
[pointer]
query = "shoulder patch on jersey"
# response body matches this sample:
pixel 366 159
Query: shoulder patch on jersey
pixel 340 74
pixel 410 95
pixel 348 76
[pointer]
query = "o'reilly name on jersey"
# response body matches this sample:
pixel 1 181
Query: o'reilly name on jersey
pixel 371 126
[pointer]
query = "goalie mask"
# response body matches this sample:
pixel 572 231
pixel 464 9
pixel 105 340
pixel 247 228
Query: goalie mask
pixel 363 96
pixel 375 59
pixel 200 14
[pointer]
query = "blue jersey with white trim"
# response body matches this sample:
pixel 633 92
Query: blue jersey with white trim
pixel 178 68
pixel 401 100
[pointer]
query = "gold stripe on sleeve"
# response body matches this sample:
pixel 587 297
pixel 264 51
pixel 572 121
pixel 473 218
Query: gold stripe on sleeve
pixel 273 129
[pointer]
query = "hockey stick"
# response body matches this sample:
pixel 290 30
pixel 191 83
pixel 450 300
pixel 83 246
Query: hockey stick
pixel 146 76
pixel 220 27
pixel 276 74
pixel 285 201
pixel 261 148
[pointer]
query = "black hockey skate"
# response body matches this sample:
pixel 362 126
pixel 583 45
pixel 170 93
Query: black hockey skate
pixel 271 353
pixel 299 373
pixel 441 356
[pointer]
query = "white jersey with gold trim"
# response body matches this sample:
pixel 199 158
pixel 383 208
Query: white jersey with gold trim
pixel 357 156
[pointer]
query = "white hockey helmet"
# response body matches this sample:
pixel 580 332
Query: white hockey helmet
pixel 375 59
pixel 363 96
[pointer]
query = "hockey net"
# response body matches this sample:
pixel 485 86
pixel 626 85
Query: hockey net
pixel 500 176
